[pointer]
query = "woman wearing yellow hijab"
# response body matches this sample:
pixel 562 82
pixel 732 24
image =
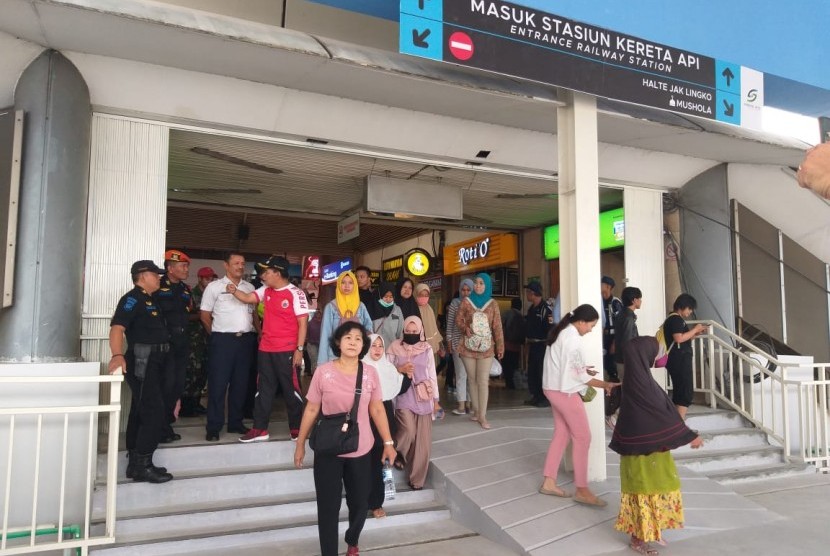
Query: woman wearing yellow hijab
pixel 345 306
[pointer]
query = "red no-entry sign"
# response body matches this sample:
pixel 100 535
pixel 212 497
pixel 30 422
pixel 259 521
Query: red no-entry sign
pixel 461 46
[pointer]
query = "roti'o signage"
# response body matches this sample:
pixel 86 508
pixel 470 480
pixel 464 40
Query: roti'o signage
pixel 524 42
pixel 468 254
pixel 482 252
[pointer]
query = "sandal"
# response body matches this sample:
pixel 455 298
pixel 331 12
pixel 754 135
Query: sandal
pixel 553 492
pixel 484 425
pixel 398 463
pixel 413 487
pixel 378 513
pixel 596 501
pixel 642 548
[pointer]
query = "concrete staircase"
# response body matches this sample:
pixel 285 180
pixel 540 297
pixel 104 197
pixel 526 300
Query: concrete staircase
pixel 734 450
pixel 249 499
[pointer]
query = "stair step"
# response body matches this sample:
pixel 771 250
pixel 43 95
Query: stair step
pixel 728 439
pixel 705 461
pixel 394 539
pixel 209 460
pixel 478 545
pixel 258 518
pixel 705 419
pixel 213 493
pixel 409 528
pixel 761 472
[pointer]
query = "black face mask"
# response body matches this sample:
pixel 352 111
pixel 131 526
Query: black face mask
pixel 411 339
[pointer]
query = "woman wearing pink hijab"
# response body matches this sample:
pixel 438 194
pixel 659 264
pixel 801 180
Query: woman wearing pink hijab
pixel 414 408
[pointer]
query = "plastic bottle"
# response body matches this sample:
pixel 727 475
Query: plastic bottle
pixel 388 482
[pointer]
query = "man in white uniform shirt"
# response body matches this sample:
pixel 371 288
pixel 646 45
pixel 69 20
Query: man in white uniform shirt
pixel 232 341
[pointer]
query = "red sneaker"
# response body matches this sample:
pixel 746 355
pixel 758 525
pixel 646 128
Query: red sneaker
pixel 353 551
pixel 255 435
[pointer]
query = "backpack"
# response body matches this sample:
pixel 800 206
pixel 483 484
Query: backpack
pixel 663 349
pixel 481 339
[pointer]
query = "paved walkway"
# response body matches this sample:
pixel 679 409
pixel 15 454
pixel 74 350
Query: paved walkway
pixel 490 478
pixel 480 474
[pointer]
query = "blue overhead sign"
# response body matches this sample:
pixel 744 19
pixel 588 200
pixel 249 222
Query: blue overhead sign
pixel 331 271
pixel 786 40
pixel 523 42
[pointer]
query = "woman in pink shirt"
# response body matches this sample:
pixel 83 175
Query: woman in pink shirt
pixel 332 390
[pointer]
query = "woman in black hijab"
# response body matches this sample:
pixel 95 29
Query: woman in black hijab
pixel 647 429
pixel 404 298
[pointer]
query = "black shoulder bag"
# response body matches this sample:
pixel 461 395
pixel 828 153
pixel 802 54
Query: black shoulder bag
pixel 338 434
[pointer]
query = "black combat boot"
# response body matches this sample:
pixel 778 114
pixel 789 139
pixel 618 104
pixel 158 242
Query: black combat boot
pixel 131 465
pixel 145 472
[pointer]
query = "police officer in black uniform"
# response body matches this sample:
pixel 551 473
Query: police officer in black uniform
pixel 137 315
pixel 175 301
pixel 539 321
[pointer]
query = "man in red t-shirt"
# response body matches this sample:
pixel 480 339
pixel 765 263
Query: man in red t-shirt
pixel 284 325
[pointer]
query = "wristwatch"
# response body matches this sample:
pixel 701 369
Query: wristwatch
pixel 300 348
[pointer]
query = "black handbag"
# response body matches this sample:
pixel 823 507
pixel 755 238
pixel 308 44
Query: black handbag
pixel 333 435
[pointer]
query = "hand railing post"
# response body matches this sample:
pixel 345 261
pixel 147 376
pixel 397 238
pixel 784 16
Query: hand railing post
pixel 785 409
pixel 112 455
pixel 713 402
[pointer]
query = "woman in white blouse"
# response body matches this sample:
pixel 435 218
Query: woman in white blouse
pixel 566 376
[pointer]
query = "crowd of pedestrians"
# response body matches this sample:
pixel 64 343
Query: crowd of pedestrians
pixel 377 350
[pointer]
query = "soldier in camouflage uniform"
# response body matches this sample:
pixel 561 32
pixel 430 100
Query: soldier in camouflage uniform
pixel 196 376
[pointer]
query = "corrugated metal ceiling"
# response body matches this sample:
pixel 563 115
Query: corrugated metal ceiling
pixel 296 209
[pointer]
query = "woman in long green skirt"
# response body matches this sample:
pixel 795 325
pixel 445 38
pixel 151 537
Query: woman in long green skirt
pixel 647 429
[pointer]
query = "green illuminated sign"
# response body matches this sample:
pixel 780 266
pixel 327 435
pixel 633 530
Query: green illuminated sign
pixel 611 233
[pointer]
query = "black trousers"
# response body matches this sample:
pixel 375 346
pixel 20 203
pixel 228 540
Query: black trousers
pixel 331 474
pixel 535 367
pixel 376 488
pixel 680 370
pixel 509 364
pixel 609 365
pixel 175 375
pixel 276 369
pixel 250 393
pixel 147 422
pixel 228 365
pixel 449 377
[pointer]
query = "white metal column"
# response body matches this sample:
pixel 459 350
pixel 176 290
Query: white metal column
pixel 126 220
pixel 579 240
pixel 645 257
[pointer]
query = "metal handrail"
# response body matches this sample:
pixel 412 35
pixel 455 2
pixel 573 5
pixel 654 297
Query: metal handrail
pixel 749 345
pixel 82 542
pixel 722 368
